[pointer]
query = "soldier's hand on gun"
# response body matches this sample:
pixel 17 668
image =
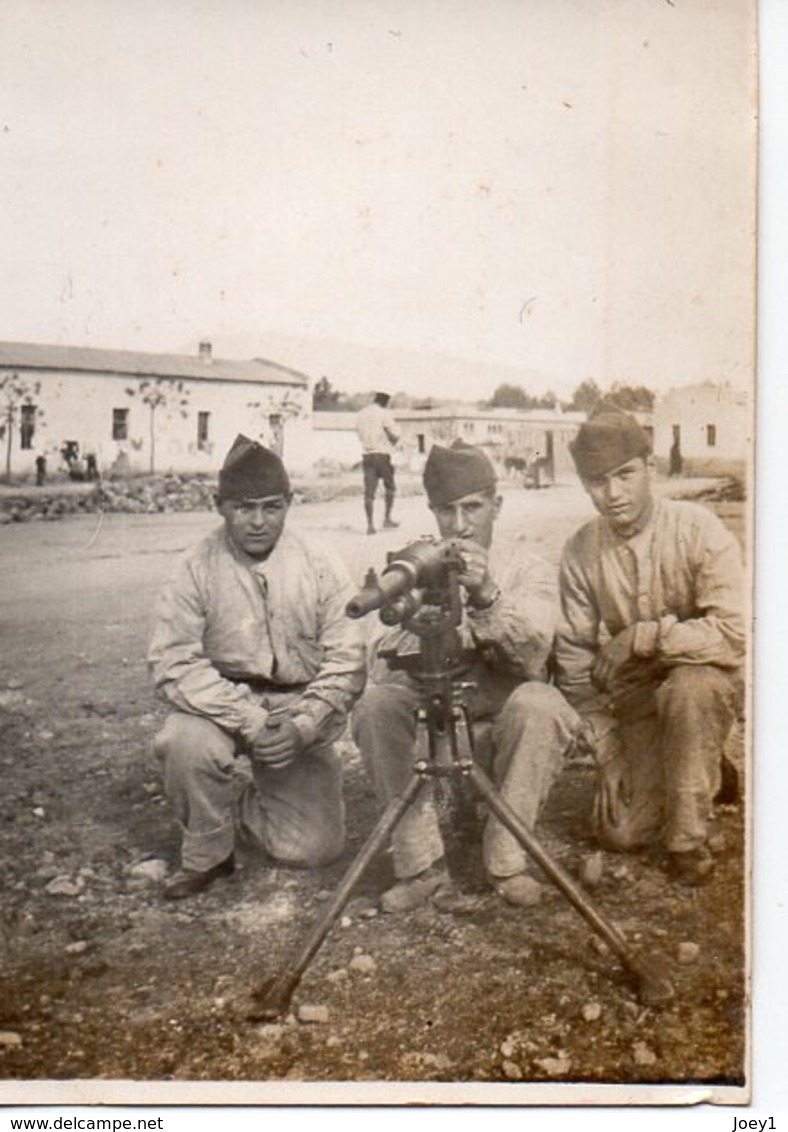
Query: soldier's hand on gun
pixel 612 657
pixel 277 743
pixel 475 574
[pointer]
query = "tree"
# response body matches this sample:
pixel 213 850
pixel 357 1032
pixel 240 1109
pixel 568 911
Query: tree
pixel 324 397
pixel 16 394
pixel 631 398
pixel 277 409
pixel 586 396
pixel 155 392
pixel 509 396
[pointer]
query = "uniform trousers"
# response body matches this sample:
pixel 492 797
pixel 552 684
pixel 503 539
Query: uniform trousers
pixel 295 814
pixel 659 767
pixel 522 749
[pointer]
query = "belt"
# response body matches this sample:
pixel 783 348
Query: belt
pixel 261 683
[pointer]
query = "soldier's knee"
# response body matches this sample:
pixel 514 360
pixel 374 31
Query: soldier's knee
pixel 191 741
pixel 695 684
pixel 542 700
pixel 384 704
pixel 312 848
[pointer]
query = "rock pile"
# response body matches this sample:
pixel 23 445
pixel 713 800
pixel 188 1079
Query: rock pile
pixel 143 495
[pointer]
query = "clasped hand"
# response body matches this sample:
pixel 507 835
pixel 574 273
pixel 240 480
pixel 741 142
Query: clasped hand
pixel 277 743
pixel 612 657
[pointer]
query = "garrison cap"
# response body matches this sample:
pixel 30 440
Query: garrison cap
pixel 608 439
pixel 451 473
pixel 251 471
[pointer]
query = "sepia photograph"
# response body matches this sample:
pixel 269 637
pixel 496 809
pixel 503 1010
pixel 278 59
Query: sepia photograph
pixel 377 447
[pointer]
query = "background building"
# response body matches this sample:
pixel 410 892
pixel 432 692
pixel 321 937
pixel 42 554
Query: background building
pixel 138 412
pixel 513 438
pixel 712 424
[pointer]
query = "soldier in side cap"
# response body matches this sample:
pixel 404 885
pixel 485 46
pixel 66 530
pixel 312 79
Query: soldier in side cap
pixel 649 648
pixel 254 653
pixel 522 726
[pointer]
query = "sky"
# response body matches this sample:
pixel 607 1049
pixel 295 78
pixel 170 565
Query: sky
pixel 426 193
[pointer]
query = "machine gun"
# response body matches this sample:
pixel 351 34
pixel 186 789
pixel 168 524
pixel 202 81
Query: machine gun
pixel 419 589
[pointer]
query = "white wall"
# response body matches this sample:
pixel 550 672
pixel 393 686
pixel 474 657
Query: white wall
pixel 694 408
pixel 79 407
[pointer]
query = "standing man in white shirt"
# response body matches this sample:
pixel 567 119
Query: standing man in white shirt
pixel 378 433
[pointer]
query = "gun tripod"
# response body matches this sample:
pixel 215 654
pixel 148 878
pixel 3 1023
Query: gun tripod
pixel 443 710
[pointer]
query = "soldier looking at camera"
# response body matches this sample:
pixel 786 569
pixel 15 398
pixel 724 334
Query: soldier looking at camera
pixel 649 648
pixel 254 653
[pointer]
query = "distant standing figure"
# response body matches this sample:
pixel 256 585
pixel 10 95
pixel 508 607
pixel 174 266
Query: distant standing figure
pixel 91 467
pixel 676 461
pixel 377 431
pixel 41 470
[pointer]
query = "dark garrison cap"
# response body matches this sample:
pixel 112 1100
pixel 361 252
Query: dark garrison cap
pixel 608 439
pixel 451 473
pixel 251 471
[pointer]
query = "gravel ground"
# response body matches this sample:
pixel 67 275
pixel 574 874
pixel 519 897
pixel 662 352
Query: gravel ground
pixel 101 981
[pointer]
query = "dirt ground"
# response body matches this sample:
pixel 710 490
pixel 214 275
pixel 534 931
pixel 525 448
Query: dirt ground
pixel 103 980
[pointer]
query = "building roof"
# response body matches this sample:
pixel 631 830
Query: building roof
pixel 198 367
pixel 465 413
pixel 725 392
pixel 341 421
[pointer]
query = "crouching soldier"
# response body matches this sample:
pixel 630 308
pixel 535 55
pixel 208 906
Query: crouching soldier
pixel 253 651
pixel 649 647
pixel 522 726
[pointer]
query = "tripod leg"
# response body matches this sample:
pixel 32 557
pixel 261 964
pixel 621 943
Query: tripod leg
pixel 653 985
pixel 273 997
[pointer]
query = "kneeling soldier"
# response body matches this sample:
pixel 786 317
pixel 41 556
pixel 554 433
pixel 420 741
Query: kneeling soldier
pixel 254 652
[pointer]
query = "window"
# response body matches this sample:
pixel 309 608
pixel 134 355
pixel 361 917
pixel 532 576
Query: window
pixel 203 420
pixel 27 426
pixel 711 436
pixel 120 424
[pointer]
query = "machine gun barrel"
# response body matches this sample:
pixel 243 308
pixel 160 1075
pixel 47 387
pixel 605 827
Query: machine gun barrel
pixel 394 583
pixel 418 565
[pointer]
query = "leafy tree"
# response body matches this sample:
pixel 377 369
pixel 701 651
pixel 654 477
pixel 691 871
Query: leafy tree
pixel 276 408
pixel 509 396
pixel 631 398
pixel 15 393
pixel 586 396
pixel 155 393
pixel 325 398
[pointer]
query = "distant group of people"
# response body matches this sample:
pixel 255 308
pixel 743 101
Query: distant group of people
pixel 630 653
pixel 78 469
